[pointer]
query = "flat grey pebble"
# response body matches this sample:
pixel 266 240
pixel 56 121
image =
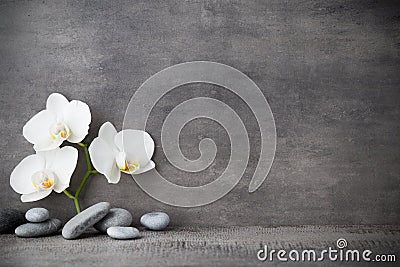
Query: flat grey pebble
pixel 120 232
pixel 87 218
pixel 10 219
pixel 36 215
pixel 155 220
pixel 48 227
pixel 115 217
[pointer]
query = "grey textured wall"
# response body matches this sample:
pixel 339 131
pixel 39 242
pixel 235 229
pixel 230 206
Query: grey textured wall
pixel 329 69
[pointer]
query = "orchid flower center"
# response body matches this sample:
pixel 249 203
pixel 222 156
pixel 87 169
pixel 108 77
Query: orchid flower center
pixel 124 165
pixel 43 180
pixel 59 129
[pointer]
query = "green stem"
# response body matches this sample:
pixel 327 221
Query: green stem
pixel 76 201
pixel 68 194
pixel 89 172
pixel 84 180
pixel 89 163
pixel 77 205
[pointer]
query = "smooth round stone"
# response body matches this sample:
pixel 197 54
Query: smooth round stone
pixel 10 219
pixel 155 220
pixel 121 232
pixel 87 218
pixel 48 227
pixel 36 215
pixel 115 217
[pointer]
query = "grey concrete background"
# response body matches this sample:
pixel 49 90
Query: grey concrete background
pixel 329 69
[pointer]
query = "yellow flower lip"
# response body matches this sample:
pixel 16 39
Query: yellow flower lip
pixel 63 134
pixel 124 165
pixel 129 167
pixel 47 184
pixel 59 129
pixel 43 180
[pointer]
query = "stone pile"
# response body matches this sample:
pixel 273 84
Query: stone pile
pixel 115 222
pixel 39 224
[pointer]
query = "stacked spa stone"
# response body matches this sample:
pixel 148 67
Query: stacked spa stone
pixel 116 222
pixel 38 224
pixel 113 221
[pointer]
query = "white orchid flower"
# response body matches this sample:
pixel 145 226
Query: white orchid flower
pixel 61 120
pixel 36 176
pixel 128 151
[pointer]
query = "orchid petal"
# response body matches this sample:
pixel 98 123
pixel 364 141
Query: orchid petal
pixel 77 117
pixel 48 156
pixel 36 130
pixel 63 165
pixel 56 103
pixel 102 157
pixel 114 175
pixel 48 144
pixel 20 179
pixel 138 145
pixel 38 195
pixel 108 132
pixel 146 168
pixel 59 187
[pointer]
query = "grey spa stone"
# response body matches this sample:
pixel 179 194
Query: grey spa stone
pixel 36 215
pixel 120 232
pixel 87 218
pixel 48 227
pixel 155 220
pixel 115 217
pixel 10 219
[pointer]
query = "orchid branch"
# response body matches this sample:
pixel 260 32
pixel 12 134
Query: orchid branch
pixel 68 194
pixel 89 172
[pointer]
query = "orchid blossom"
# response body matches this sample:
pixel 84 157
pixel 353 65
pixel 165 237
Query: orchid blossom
pixel 61 120
pixel 51 168
pixel 36 176
pixel 127 151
